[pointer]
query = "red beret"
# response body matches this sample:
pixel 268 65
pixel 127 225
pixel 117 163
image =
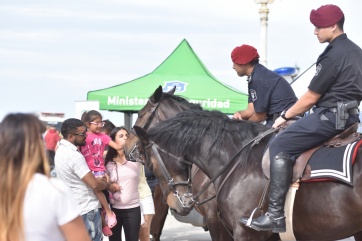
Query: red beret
pixel 244 54
pixel 326 16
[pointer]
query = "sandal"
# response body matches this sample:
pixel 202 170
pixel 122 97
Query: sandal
pixel 107 231
pixel 111 220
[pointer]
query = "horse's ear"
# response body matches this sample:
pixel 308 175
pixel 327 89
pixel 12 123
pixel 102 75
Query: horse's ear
pixel 157 94
pixel 171 92
pixel 142 135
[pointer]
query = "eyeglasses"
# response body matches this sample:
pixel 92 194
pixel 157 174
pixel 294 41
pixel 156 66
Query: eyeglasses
pixel 100 124
pixel 80 134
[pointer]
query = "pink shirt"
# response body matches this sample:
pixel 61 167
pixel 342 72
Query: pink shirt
pixel 127 176
pixel 93 150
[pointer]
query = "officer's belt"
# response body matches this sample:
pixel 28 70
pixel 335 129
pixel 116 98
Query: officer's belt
pixel 353 111
pixel 273 117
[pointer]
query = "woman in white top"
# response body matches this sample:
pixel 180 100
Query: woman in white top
pixel 147 206
pixel 33 206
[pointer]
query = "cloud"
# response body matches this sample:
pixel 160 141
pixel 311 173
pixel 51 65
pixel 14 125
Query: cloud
pixel 77 46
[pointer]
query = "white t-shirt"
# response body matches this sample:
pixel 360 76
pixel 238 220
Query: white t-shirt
pixel 71 167
pixel 48 204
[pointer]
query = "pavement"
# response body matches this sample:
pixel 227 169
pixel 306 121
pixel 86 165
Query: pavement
pixel 178 231
pixel 174 230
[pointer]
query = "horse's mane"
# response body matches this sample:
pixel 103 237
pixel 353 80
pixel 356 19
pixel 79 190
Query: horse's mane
pixel 181 100
pixel 185 132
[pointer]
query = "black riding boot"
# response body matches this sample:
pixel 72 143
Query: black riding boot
pixel 280 180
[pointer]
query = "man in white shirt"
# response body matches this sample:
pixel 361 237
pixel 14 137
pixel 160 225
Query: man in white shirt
pixel 72 168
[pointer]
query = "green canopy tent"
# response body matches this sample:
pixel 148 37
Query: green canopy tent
pixel 182 69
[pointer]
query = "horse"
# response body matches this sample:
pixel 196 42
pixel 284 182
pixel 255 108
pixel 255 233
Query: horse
pixel 162 106
pixel 230 153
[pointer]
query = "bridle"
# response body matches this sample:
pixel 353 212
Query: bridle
pixel 135 155
pixel 150 113
pixel 192 199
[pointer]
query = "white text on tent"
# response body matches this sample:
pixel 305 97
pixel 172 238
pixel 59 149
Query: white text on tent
pixel 115 100
pixel 212 103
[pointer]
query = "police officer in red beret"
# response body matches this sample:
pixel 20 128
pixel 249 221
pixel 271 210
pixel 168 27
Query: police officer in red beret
pixel 269 93
pixel 334 91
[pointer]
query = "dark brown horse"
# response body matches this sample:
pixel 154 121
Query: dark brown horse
pixel 162 106
pixel 322 211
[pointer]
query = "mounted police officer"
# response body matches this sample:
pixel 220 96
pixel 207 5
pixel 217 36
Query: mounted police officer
pixel 335 92
pixel 269 93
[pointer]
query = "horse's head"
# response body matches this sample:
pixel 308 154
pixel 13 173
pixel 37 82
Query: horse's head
pixel 172 172
pixel 152 113
pixel 160 106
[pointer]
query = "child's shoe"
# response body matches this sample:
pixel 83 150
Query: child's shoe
pixel 111 220
pixel 107 231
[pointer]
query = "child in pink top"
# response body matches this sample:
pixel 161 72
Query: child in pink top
pixel 93 153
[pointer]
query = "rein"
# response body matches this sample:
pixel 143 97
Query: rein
pixel 253 142
pixel 206 199
pixel 170 182
pixel 134 155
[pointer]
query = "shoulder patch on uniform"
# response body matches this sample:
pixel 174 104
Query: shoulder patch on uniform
pixel 253 95
pixel 318 69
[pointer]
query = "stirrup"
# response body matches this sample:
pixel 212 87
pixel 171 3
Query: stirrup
pixel 248 223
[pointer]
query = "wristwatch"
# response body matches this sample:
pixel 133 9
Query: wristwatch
pixel 283 115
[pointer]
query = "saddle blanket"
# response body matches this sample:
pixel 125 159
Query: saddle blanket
pixel 329 163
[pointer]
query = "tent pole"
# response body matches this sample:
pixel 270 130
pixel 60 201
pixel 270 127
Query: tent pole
pixel 128 120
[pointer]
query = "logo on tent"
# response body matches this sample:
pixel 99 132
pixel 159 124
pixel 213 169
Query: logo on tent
pixel 180 86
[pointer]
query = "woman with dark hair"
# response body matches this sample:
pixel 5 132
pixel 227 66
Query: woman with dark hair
pixel 126 205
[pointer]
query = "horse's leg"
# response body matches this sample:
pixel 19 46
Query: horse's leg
pixel 358 236
pixel 161 210
pixel 217 230
pixel 242 233
pixel 274 237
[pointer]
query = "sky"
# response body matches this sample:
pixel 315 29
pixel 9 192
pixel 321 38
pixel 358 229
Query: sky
pixel 52 52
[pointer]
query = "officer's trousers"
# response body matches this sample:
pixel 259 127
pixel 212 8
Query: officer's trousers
pixel 307 133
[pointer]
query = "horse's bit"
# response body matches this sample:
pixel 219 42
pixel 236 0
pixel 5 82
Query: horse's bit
pixel 171 184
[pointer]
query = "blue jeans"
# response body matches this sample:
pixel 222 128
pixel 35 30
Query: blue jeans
pixel 92 221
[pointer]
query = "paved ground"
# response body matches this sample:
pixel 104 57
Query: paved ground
pixel 177 231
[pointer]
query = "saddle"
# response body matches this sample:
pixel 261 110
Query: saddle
pixel 301 169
